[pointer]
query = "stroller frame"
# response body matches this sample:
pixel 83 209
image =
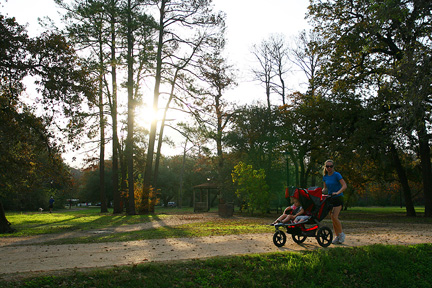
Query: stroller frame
pixel 317 206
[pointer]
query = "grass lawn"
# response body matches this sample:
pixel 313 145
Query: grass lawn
pixel 384 214
pixel 34 223
pixel 31 224
pixel 369 266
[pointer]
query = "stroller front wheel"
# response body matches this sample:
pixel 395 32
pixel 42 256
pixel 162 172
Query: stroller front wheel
pixel 279 238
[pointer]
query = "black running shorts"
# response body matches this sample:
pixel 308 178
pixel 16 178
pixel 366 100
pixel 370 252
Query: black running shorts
pixel 337 201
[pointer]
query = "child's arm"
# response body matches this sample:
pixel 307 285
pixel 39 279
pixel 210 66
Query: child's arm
pixel 299 213
pixel 287 209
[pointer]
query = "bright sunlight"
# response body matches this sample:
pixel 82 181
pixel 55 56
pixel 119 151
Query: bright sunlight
pixel 145 115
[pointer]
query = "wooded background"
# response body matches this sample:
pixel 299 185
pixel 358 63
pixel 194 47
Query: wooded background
pixel 367 106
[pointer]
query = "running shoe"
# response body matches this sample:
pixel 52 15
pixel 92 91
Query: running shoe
pixel 341 238
pixel 336 240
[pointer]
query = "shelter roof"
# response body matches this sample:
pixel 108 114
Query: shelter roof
pixel 207 186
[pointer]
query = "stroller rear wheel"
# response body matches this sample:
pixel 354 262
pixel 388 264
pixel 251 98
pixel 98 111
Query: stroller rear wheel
pixel 298 238
pixel 324 236
pixel 279 238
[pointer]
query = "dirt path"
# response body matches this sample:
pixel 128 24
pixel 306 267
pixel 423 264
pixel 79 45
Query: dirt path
pixel 18 260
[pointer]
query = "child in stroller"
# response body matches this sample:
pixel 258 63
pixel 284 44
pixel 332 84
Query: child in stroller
pixel 290 213
pixel 315 207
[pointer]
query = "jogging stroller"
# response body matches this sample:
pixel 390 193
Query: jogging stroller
pixel 316 207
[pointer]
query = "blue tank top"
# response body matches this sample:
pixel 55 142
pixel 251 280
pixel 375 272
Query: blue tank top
pixel 332 183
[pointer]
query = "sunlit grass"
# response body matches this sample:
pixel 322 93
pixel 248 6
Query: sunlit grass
pixel 29 224
pixel 217 228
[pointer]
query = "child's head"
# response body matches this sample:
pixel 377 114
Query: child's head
pixel 296 201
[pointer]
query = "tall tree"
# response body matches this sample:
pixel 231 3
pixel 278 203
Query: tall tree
pixel 102 193
pixel 250 137
pixel 63 85
pixel 265 72
pixel 130 132
pixel 219 76
pixel 374 42
pixel 86 27
pixel 177 21
pixel 176 89
pixel 139 32
pixel 300 115
pixel 307 55
pixel 113 12
pixel 272 67
pixel 279 53
pixel 115 30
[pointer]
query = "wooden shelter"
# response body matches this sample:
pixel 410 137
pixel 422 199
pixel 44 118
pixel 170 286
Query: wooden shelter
pixel 201 196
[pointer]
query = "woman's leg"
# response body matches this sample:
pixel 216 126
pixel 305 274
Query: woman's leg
pixel 337 225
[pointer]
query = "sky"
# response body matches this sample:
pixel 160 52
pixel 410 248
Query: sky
pixel 248 22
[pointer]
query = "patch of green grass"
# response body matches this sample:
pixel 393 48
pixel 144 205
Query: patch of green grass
pixel 388 209
pixel 29 224
pixel 213 228
pixel 369 266
pixel 384 214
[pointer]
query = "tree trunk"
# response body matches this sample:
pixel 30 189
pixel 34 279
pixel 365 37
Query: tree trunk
pixel 102 193
pixel 303 182
pixel 280 74
pixel 161 132
pixel 158 153
pixel 180 193
pixel 219 115
pixel 5 225
pixel 404 182
pixel 123 176
pixel 425 158
pixel 131 108
pixel 102 162
pixel 116 192
pixel 149 164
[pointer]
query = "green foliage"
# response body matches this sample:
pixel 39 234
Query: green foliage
pixel 31 168
pixel 89 190
pixel 378 53
pixel 30 164
pixel 169 178
pixel 304 129
pixel 251 140
pixel 252 189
